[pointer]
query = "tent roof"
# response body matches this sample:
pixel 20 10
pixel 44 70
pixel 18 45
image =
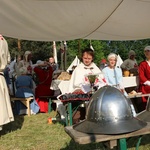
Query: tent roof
pixel 57 20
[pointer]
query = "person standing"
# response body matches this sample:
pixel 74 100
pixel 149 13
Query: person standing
pixel 144 76
pixel 130 64
pixel 5 105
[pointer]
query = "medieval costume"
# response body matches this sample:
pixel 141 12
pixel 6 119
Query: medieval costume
pixel 5 105
pixel 26 62
pixel 144 75
pixel 113 76
pixel 130 63
pixel 24 86
pixel 79 79
pixel 44 76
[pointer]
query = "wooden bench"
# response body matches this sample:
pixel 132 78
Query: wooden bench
pixel 25 101
pixel 111 140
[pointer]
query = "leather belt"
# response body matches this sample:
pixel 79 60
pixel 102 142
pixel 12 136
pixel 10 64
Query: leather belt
pixel 2 74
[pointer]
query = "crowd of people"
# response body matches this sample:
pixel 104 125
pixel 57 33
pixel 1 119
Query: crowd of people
pixel 23 70
pixel 28 79
pixel 110 74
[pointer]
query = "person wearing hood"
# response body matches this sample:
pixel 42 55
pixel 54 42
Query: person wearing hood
pixel 130 64
pixel 27 62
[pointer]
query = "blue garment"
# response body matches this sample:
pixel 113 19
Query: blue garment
pixel 24 85
pixel 6 75
pixel 113 76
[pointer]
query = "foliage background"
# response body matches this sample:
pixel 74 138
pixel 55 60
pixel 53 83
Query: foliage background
pixel 43 50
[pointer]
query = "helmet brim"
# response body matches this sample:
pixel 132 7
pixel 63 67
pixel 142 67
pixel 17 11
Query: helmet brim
pixel 124 126
pixel 144 115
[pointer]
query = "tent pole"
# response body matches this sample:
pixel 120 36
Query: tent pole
pixel 65 55
pixel 19 45
pixel 62 55
pixel 79 47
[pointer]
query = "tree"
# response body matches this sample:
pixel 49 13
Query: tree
pixel 43 50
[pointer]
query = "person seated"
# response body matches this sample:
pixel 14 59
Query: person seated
pixel 130 64
pixel 44 73
pixel 53 64
pixel 26 62
pixel 24 88
pixel 144 76
pixel 79 82
pixel 103 64
pixel 113 75
pixel 79 79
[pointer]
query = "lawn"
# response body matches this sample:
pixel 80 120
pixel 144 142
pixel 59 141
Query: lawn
pixel 34 133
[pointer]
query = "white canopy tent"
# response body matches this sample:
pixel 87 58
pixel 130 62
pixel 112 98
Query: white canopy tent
pixel 119 61
pixel 75 62
pixel 59 20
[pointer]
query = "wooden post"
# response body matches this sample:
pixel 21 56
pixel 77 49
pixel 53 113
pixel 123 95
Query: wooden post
pixel 62 56
pixel 19 45
pixel 65 55
pixel 79 47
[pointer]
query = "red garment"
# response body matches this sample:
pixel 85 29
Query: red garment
pixel 43 88
pixel 144 75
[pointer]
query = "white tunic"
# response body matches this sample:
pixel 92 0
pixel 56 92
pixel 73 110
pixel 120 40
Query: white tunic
pixel 78 78
pixel 6 114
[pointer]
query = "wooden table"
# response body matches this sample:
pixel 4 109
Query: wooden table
pixel 78 99
pixel 83 138
pixel 138 95
pixel 70 110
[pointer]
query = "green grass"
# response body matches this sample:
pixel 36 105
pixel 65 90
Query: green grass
pixel 34 133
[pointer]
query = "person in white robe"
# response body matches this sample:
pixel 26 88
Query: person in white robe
pixel 79 79
pixel 5 104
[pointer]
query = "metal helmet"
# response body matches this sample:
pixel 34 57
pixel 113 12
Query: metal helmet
pixel 145 115
pixel 109 112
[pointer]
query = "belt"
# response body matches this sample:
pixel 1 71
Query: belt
pixel 2 74
pixel 24 87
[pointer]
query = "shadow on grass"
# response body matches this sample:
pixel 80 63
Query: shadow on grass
pixel 92 146
pixel 12 126
pixel 131 144
pixel 143 142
